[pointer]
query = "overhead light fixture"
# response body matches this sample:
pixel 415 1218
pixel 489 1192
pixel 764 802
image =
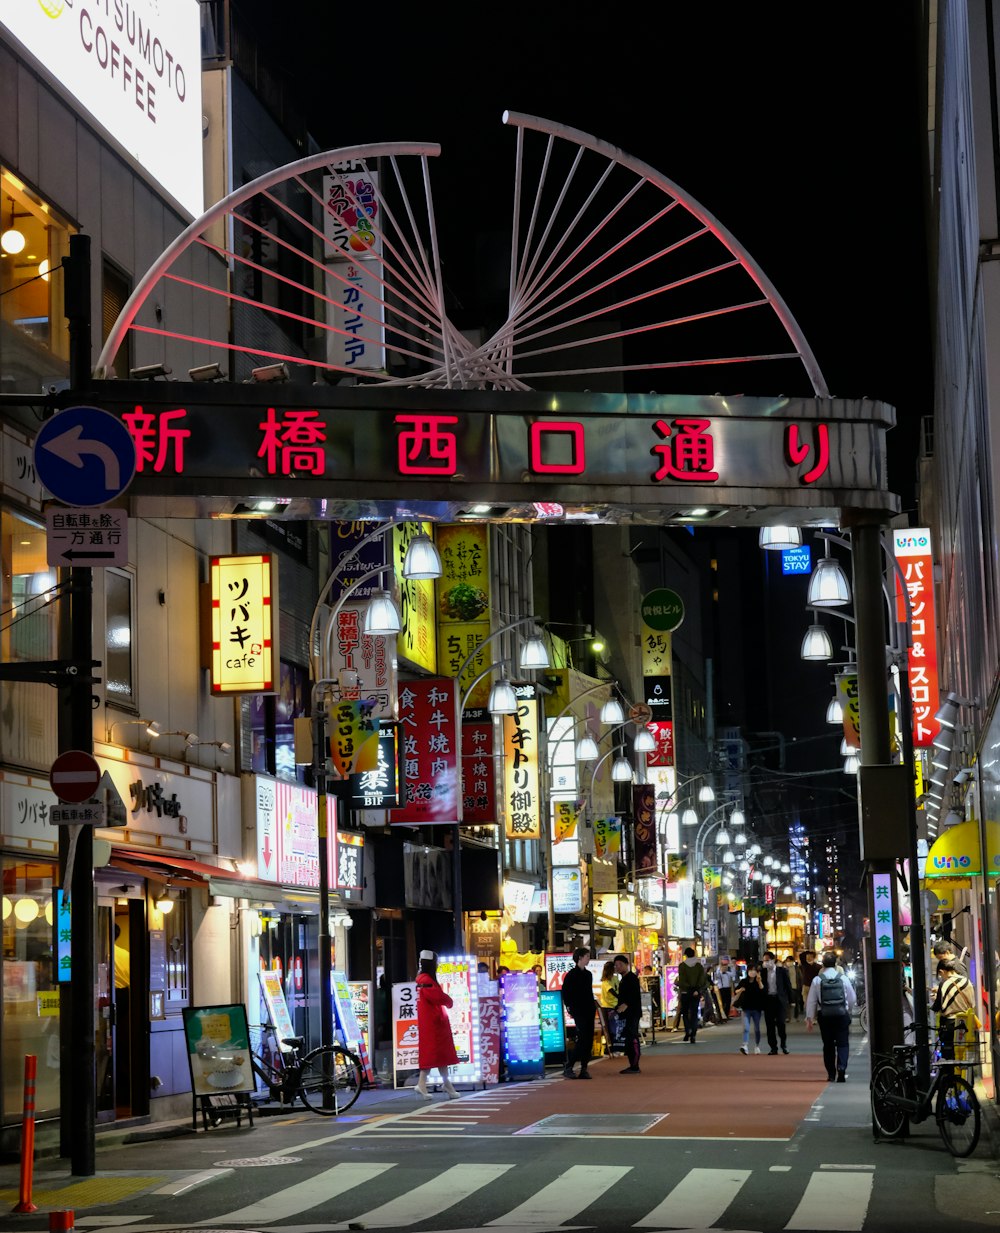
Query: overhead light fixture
pixel 382 615
pixel 952 818
pixel 816 645
pixel 12 241
pixel 689 817
pixel 164 905
pixel 502 698
pixel 947 712
pixel 621 770
pixel 206 372
pixel 644 742
pixel 945 739
pixel 835 710
pixel 422 561
pixel 737 822
pixel 729 857
pixel 786 890
pixel 149 372
pixel 44 268
pixel 706 793
pixel 586 749
pixel 767 862
pixel 851 764
pixel 25 910
pixel 847 748
pixel 612 713
pixel 775 538
pixel 190 738
pixel 722 837
pixel 270 372
pixel 152 726
pixel 828 586
pixel 534 653
pixel 941 761
pixel 8 907
pixel 766 879
pixel 739 839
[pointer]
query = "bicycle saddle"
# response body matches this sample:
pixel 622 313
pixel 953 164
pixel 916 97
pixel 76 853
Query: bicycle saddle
pixel 295 1041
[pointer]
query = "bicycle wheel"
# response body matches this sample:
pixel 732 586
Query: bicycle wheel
pixel 889 1119
pixel 957 1113
pixel 330 1080
pixel 863 1019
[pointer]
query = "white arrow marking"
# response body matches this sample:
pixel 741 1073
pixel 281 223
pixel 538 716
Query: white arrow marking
pixel 71 449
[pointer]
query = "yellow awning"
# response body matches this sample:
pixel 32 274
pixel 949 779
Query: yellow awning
pixel 958 854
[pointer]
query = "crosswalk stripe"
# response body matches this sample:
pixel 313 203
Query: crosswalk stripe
pixel 698 1200
pixel 560 1200
pixel 433 1197
pixel 303 1195
pixel 834 1201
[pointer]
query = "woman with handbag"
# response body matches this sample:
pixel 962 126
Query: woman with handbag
pixel 750 999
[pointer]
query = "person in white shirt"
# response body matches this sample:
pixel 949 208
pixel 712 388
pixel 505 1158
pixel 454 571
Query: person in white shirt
pixel 724 979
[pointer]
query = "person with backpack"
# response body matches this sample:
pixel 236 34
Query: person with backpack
pixel 691 984
pixel 831 1000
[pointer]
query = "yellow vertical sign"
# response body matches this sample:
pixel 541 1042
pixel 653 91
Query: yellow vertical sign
pixel 521 798
pixel 417 643
pixel 463 606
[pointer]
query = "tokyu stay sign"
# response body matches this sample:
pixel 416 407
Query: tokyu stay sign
pixel 451 447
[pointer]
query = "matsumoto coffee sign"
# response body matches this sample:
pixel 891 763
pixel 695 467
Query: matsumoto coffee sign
pixel 336 446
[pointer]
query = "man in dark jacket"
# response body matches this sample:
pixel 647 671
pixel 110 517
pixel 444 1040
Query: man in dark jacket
pixel 578 999
pixel 629 1009
pixel 778 996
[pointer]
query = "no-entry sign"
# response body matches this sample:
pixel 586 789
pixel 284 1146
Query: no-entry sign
pixel 74 776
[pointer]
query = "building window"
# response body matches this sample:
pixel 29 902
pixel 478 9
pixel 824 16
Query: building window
pixel 115 290
pixel 30 1014
pixel 27 591
pixel 34 338
pixel 119 661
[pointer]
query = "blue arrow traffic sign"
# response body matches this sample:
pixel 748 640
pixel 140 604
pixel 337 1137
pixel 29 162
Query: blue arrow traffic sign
pixel 84 456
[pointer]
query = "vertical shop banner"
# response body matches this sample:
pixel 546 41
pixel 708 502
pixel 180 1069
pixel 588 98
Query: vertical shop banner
pixel 567 888
pixel 677 868
pixel 353 737
pixel 457 976
pixel 244 634
pixel 479 789
pixel 352 562
pixel 662 732
pixel 565 815
pixel 463 605
pixel 363 663
pixel 349 863
pixel 490 1016
pixel 607 837
pixel 660 613
pixel 287 844
pixel 352 228
pixel 517 899
pixel 428 719
pixel 417 640
pixel 350 1029
pixel 380 788
pixel 912 549
pixel 521 796
pixel 847 692
pixel 273 992
pixel 404 1028
pixel 883 927
pixel 644 830
pixel 553 1026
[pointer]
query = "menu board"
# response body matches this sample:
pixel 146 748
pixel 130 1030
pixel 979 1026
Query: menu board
pixel 218 1043
pixel 522 1037
pixel 361 1002
pixel 273 993
pixel 489 1034
pixel 404 1028
pixel 553 1028
pixel 457 976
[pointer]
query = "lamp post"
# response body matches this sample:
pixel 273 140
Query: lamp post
pixel 526 661
pixel 699 855
pixel 322 681
pixel 621 772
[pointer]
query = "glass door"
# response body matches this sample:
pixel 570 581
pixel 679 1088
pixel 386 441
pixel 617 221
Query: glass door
pixel 105 1009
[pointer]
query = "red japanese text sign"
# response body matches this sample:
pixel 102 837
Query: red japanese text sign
pixel 912 549
pixel 428 719
pixel 479 803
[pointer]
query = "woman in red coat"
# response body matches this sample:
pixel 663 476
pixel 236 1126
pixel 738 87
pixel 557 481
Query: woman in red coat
pixel 437 1045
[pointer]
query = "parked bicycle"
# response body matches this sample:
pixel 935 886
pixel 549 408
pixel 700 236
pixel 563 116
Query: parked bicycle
pixel 327 1080
pixel 897 1100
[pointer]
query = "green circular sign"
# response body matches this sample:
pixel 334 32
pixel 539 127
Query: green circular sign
pixel 662 610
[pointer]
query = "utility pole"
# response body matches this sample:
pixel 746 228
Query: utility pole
pixel 78 1096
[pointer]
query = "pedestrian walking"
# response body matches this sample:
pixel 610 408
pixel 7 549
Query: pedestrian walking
pixel 629 1011
pixel 954 995
pixel 831 999
pixel 692 981
pixel 748 997
pixel 779 995
pixel 436 1045
pixel 808 967
pixel 725 982
pixel 795 980
pixel 578 999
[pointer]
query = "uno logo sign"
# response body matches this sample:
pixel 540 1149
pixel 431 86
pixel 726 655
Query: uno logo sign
pixel 952 862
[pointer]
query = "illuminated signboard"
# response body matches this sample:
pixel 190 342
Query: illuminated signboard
pixel 244 641
pixel 463 607
pixel 883 927
pixel 479 794
pixel 428 722
pixel 521 798
pixel 522 1036
pixel 350 861
pixel 382 786
pixel 417 640
pixel 912 549
pixel 457 976
pixel 353 741
pixel 286 825
pixel 405 1037
pixel 796 560
pixel 553 1026
pixel 136 68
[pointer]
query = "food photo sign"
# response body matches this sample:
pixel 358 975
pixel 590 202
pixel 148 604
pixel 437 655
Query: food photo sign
pixel 218 1044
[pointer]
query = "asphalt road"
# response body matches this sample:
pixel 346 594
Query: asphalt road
pixel 703 1138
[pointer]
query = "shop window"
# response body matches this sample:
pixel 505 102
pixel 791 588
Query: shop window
pixel 119 662
pixel 115 290
pixel 175 932
pixel 34 338
pixel 272 724
pixel 30 1007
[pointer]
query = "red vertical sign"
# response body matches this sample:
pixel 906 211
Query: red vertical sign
pixel 479 800
pixel 912 548
pixel 428 724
